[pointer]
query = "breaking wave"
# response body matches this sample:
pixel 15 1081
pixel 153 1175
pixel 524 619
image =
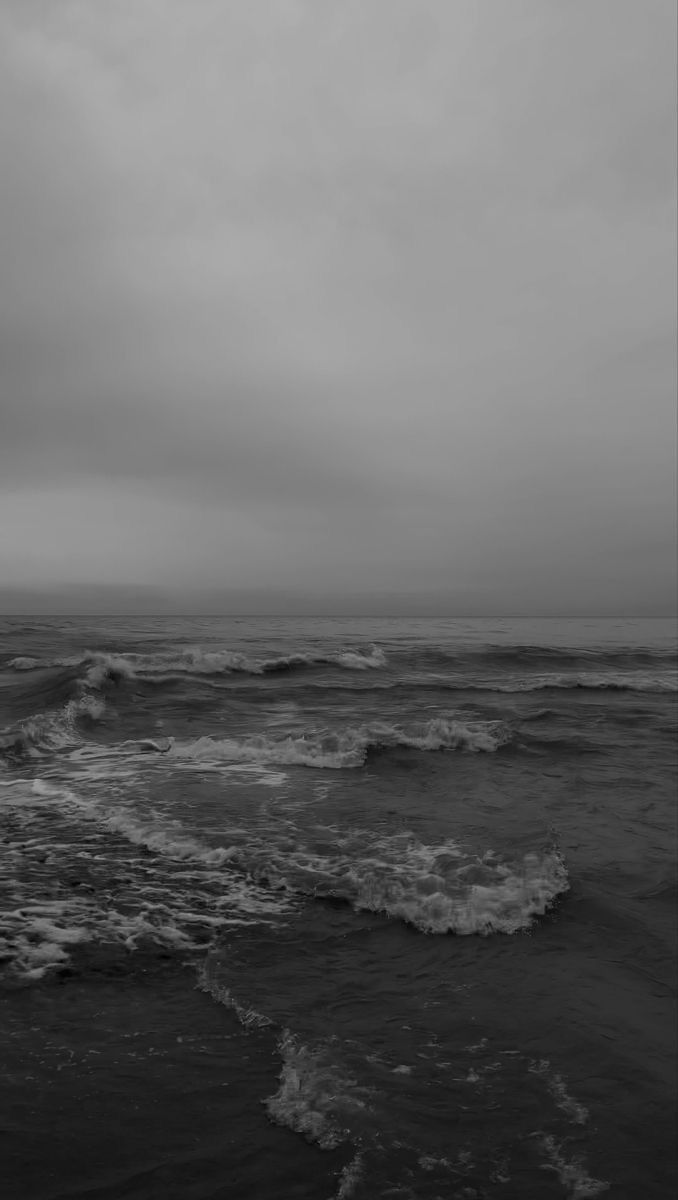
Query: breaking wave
pixel 508 900
pixel 349 748
pixel 444 889
pixel 441 888
pixel 102 667
pixel 437 889
pixel 46 732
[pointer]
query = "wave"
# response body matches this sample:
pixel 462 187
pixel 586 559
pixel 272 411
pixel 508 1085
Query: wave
pixel 658 683
pixel 179 896
pixel 438 889
pixel 43 733
pixel 598 682
pixel 614 681
pixel 107 667
pixel 535 655
pixel 349 748
pixel 170 841
pixel 481 896
pixel 435 888
pixel 646 671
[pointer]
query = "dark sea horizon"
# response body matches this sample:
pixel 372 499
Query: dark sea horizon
pixel 330 908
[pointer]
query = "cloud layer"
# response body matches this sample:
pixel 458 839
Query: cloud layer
pixel 340 298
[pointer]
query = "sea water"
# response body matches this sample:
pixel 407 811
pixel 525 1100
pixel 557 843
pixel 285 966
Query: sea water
pixel 337 908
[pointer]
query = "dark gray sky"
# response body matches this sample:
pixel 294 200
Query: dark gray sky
pixel 340 299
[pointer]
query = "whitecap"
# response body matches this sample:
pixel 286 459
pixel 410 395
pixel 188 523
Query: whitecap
pixel 349 748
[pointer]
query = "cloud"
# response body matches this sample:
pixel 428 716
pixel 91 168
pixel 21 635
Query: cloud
pixel 322 293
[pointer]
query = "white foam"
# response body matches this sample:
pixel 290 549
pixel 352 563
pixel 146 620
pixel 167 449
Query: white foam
pixel 576 1112
pixel 436 888
pixel 513 896
pixel 350 1176
pixel 315 1097
pixel 35 936
pixel 183 894
pixel 249 1017
pixel 572 1173
pixel 337 750
pixel 356 661
pixel 171 842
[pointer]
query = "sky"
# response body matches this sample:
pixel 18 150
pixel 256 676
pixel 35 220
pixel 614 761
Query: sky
pixel 326 305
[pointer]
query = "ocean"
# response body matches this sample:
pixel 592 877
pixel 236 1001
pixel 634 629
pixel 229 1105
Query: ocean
pixel 333 908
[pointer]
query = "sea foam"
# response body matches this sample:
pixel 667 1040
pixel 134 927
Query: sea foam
pixel 347 748
pixel 572 1173
pixel 509 899
pixel 316 1097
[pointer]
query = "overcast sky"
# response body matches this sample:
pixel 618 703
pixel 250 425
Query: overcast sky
pixel 369 297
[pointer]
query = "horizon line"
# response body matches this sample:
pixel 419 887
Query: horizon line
pixel 421 616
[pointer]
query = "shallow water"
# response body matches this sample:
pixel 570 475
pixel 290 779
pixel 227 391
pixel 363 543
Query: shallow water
pixel 338 908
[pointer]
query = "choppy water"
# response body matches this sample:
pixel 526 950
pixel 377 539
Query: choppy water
pixel 422 874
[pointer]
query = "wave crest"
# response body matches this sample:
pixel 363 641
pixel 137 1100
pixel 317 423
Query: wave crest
pixel 438 894
pixel 613 681
pixel 45 732
pixel 102 667
pixel 348 748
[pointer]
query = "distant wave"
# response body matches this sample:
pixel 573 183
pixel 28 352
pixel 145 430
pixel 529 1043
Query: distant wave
pixel 350 747
pixel 535 656
pixel 486 669
pixel 104 667
pixel 611 681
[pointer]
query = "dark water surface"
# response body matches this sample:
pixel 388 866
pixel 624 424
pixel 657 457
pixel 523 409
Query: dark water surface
pixel 337 908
